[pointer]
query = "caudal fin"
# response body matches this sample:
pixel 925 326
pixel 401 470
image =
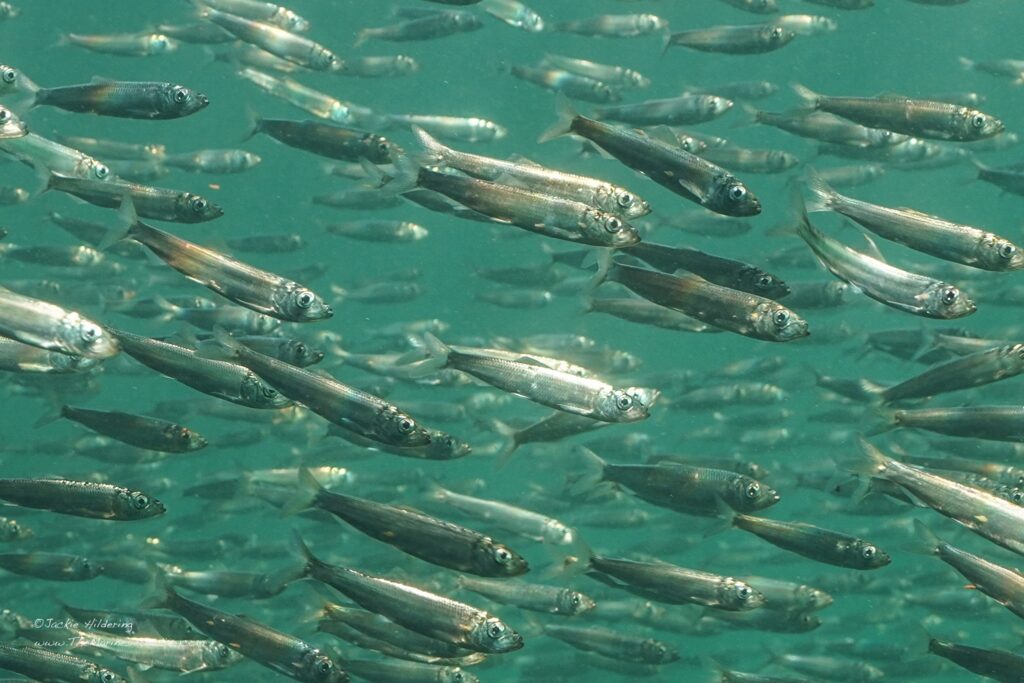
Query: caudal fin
pixel 563 126
pixel 823 197
pixel 808 98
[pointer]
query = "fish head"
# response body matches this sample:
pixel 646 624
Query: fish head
pixel 622 201
pixel 98 675
pixel 739 595
pixel 750 495
pixel 976 124
pixel 813 598
pixel 493 635
pixel 298 304
pixel 532 22
pixel 447 447
pixel 12 530
pixel 656 652
pixel 183 101
pixel 83 568
pixel 158 44
pixel 495 559
pixel 732 198
pixel 764 284
pixel 138 505
pixel 453 674
pixel 192 208
pixel 1001 254
pixel 865 555
pixel 319 668
pixel 300 354
pixel 378 149
pixel 291 21
pixel 185 438
pixel 87 339
pixel 715 105
pixel 217 655
pixel 942 300
pixel 776 35
pixel 649 23
pixel 625 405
pixel 573 602
pixel 322 59
pixel 607 230
pixel 402 430
pixel 10 125
pixel 777 323
pixel 256 393
pixel 635 79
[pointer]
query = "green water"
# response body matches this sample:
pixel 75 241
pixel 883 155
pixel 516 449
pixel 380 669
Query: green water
pixel 898 46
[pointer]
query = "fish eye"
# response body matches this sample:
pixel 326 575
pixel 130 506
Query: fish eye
pixel 301 350
pixel 107 677
pixel 305 299
pixel 406 425
pixel 978 120
pixel 737 192
pixel 199 205
pixel 1007 250
pixel 765 281
pixel 100 171
pixel 613 224
pixel 868 552
pixel 10 75
pixel 495 630
pixel 5 115
pixel 269 392
pixel 180 95
pixel 502 555
pixel 457 677
pixel 743 592
pixel 324 666
pixel 1017 496
pixel 950 296
pixel 781 318
pixel 383 146
pixel 776 33
pixel 623 401
pixel 140 501
pixel 625 199
pixel 753 490
pixel 574 600
pixel 90 333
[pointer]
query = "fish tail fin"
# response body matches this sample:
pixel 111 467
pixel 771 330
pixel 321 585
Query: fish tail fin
pixel 436 359
pixel 159 593
pixel 405 178
pixel 253 123
pixel 305 554
pixel 362 37
pixel 604 267
pixel 434 152
pixel 591 473
pixel 306 492
pixel 823 196
pixel 725 519
pixel 51 416
pixel 666 42
pixel 563 125
pixel 508 444
pixel 870 462
pixel 801 221
pixel 886 421
pixel 124 226
pixel 924 542
pixel 227 347
pixel 808 98
pixel 573 565
pixel 751 114
pixel 966 63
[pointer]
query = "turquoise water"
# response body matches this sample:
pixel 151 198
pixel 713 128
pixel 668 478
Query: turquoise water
pixel 898 46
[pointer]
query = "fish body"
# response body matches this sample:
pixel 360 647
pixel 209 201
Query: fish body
pixel 918 118
pixel 748 314
pixel 141 432
pixel 45 665
pixel 125 99
pixel 275 40
pixel 431 26
pixel 572 84
pixel 737 40
pixel 80 498
pixel 333 142
pixel 417 609
pixel 431 539
pixel 217 378
pixel 667 164
pixel 816 543
pixel 50 327
pixel 124 44
pixel 615 25
pixel 246 285
pixel 533 177
pixel 685 110
pixel 275 650
pixel 716 269
pixel 884 283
